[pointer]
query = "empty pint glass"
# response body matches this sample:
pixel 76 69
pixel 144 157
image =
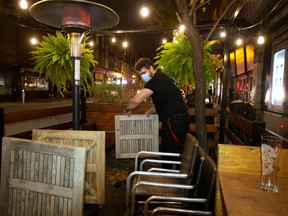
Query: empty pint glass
pixel 270 153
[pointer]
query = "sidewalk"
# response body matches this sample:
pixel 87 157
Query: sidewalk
pixel 34 105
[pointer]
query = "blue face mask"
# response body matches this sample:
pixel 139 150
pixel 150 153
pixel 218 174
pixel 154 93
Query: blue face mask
pixel 145 77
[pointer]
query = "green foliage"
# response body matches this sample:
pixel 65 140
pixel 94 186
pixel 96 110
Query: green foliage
pixel 110 93
pixel 175 59
pixel 52 57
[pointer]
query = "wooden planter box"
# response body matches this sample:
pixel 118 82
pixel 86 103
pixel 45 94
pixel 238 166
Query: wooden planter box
pixel 94 142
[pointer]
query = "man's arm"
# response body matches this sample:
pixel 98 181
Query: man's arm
pixel 138 99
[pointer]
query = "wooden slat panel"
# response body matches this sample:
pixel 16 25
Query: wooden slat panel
pixel 102 115
pixel 136 133
pixel 232 137
pixel 33 182
pixel 243 124
pixel 210 128
pixel 115 108
pixel 208 112
pixel 95 142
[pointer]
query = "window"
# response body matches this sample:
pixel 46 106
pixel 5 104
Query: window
pixel 5 83
pixel 277 78
pixel 35 84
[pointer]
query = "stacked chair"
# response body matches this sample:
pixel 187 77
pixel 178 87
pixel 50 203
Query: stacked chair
pixel 157 190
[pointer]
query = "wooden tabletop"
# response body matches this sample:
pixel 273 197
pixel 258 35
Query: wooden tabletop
pixel 243 196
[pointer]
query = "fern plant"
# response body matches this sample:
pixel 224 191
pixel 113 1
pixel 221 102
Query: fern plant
pixel 175 59
pixel 52 57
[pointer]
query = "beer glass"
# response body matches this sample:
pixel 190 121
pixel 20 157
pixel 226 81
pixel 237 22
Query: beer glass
pixel 270 153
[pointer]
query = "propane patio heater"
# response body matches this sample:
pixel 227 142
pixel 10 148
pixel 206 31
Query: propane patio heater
pixel 77 18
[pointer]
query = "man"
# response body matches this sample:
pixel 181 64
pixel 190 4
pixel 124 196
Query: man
pixel 167 102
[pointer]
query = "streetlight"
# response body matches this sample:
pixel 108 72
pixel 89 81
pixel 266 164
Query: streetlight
pixel 77 18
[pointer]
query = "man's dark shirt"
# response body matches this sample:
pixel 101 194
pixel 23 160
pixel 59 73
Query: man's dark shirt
pixel 166 95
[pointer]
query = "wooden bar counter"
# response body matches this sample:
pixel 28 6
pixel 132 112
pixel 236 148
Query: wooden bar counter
pixel 238 186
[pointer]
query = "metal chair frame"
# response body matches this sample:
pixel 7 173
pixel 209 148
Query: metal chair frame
pixel 158 178
pixel 203 193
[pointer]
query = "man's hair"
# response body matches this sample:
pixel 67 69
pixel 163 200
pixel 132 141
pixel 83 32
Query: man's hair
pixel 143 62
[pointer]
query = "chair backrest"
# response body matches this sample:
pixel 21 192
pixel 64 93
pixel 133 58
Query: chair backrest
pixel 189 155
pixel 205 183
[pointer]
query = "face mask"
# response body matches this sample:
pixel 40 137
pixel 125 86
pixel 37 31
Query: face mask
pixel 145 77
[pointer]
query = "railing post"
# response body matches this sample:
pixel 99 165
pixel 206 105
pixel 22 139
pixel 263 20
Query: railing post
pixel 258 129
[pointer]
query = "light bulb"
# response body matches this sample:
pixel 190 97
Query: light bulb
pixel 23 4
pixel 260 39
pixel 34 41
pixel 164 41
pixel 144 11
pixel 223 34
pixel 239 42
pixel 182 28
pixel 113 39
pixel 125 44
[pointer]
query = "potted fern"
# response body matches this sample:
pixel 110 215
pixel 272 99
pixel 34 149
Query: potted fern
pixel 52 58
pixel 175 59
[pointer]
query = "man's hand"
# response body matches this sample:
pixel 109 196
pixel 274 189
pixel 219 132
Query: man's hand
pixel 150 111
pixel 127 112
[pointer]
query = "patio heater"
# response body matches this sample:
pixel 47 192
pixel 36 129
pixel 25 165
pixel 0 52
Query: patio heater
pixel 77 18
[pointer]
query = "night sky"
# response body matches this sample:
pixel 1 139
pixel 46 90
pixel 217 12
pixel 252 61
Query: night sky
pixel 144 44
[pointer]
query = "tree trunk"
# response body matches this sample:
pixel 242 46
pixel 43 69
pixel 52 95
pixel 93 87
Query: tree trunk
pixel 196 42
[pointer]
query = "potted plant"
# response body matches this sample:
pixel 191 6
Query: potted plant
pixel 52 57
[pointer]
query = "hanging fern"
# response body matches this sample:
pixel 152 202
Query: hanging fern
pixel 175 59
pixel 52 57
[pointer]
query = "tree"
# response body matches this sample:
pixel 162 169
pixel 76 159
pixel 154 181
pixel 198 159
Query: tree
pixel 187 15
pixel 52 57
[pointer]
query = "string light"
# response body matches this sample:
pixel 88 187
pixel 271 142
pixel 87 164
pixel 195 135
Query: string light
pixel 222 34
pixel 182 28
pixel 23 4
pixel 33 41
pixel 125 44
pixel 113 40
pixel 239 41
pixel 144 11
pixel 261 38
